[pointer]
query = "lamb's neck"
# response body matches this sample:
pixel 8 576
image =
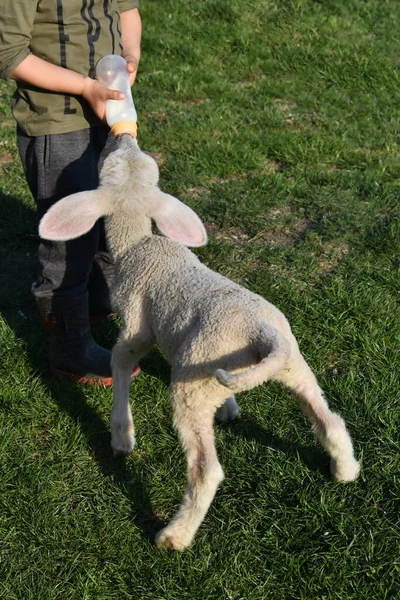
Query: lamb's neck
pixel 123 231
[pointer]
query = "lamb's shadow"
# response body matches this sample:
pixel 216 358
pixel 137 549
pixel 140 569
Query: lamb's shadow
pixel 154 364
pixel 247 428
pixel 71 400
pixel 18 308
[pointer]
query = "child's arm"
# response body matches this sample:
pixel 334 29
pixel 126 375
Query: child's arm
pixel 17 62
pixel 131 29
pixel 40 73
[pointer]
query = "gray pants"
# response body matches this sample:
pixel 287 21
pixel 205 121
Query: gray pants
pixel 55 166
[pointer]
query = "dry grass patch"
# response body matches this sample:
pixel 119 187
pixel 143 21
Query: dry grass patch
pixel 198 192
pixel 157 156
pixel 5 159
pixel 281 229
pixel 329 256
pixel 222 180
pixel 271 165
pixel 286 108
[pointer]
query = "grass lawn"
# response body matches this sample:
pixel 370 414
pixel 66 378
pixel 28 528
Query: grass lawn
pixel 278 122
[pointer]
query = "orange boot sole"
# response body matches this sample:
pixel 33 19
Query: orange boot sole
pixel 104 381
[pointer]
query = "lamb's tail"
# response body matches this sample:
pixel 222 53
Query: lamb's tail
pixel 274 350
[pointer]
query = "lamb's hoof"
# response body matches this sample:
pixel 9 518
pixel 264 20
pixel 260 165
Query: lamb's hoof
pixel 118 452
pixel 228 411
pixel 122 445
pixel 167 539
pixel 345 471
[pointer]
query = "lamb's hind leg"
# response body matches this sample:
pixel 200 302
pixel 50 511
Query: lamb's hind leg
pixel 193 420
pixel 125 356
pixel 329 427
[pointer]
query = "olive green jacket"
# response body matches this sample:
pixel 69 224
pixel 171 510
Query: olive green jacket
pixel 73 34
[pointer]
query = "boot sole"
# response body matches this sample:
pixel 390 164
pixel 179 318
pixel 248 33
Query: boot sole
pixel 104 381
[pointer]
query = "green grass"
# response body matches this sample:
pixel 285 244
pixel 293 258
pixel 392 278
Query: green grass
pixel 278 122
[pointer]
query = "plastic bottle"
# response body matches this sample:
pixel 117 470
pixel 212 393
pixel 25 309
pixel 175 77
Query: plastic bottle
pixel 121 115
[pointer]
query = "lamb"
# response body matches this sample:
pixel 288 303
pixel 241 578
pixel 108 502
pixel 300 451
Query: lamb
pixel 220 338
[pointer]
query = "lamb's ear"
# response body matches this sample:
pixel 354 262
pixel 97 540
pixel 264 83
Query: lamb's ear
pixel 74 215
pixel 177 221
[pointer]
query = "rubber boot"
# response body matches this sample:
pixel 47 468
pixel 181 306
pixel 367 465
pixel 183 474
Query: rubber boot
pixel 99 287
pixel 73 353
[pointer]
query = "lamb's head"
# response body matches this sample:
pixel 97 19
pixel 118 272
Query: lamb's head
pixel 128 167
pixel 129 192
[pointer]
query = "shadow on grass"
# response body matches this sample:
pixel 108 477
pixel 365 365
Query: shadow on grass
pixel 18 250
pixel 247 428
pixel 69 396
pixel 71 400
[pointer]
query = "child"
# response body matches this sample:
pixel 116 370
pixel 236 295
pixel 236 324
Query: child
pixel 51 49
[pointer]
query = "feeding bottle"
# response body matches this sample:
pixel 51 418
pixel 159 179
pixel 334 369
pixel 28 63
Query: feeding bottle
pixel 121 115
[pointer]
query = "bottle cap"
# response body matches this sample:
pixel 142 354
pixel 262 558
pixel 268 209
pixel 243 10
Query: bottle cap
pixel 124 127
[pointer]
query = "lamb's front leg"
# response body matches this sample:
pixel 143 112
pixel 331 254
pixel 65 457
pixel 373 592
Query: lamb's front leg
pixel 194 422
pixel 125 356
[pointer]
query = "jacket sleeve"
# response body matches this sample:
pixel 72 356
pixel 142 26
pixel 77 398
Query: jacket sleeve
pixel 16 23
pixel 127 4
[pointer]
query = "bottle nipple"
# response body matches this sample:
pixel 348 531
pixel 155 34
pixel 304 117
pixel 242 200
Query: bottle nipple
pixel 121 115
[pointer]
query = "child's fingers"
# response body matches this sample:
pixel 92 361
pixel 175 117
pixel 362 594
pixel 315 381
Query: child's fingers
pixel 114 95
pixel 132 67
pixel 131 63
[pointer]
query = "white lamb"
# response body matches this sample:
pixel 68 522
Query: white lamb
pixel 219 338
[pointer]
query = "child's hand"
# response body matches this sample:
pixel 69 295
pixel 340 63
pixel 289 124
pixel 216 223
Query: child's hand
pixel 97 94
pixel 132 64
